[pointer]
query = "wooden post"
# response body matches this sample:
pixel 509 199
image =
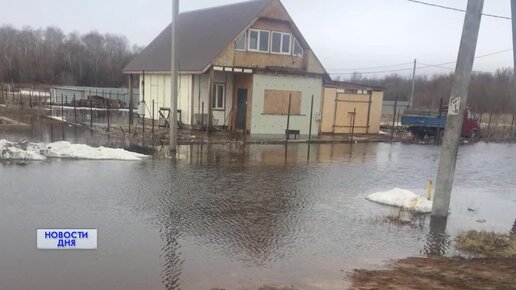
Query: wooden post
pixel 153 135
pixel 107 115
pixel 394 117
pixel 30 97
pixel 202 115
pixel 512 125
pixel 310 125
pixel 353 124
pixel 210 100
pixel 74 109
pixel 287 137
pixel 62 107
pixel 91 111
pixel 369 110
pixel 131 104
pixel 489 125
pixel 335 112
pixel 62 117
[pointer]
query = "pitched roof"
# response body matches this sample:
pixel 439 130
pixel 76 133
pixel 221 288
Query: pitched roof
pixel 202 35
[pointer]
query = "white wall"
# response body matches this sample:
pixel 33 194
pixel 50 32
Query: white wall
pixel 193 89
pixel 275 124
pixel 202 88
pixel 157 88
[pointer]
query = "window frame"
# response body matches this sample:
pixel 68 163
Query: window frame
pixel 282 34
pixel 294 41
pixel 257 49
pixel 214 105
pixel 243 35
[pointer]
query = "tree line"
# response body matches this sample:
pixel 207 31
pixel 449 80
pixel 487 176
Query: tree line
pixel 49 56
pixel 488 91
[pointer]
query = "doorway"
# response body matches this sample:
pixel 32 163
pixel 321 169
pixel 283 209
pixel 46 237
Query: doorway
pixel 241 109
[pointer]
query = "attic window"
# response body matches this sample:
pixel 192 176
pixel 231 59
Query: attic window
pixel 259 40
pixel 281 42
pixel 298 50
pixel 240 43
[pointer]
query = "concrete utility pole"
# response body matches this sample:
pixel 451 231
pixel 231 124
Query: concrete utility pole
pixel 513 16
pixel 458 100
pixel 413 84
pixel 173 80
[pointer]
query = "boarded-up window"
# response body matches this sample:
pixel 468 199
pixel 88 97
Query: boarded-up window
pixel 276 102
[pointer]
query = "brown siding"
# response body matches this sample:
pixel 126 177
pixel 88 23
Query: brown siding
pixel 274 18
pixel 226 57
pixel 276 11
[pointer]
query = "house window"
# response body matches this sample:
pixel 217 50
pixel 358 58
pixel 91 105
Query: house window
pixel 240 43
pixel 298 50
pixel 259 40
pixel 219 91
pixel 281 42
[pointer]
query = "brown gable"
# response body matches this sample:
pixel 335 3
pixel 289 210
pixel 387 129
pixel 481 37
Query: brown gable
pixel 274 17
pixel 275 10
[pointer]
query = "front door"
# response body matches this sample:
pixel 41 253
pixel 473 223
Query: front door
pixel 241 112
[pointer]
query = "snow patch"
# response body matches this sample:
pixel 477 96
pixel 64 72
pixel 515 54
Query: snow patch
pixel 63 149
pixel 402 198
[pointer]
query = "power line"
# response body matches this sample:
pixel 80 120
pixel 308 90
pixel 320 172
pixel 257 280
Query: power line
pixel 371 67
pixel 441 65
pixel 456 9
pixel 437 66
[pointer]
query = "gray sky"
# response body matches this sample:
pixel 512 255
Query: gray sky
pixel 344 34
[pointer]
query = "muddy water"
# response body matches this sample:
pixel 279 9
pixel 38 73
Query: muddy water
pixel 217 219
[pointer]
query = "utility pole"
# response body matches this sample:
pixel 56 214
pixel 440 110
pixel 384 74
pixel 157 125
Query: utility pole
pixel 513 16
pixel 458 100
pixel 413 84
pixel 173 80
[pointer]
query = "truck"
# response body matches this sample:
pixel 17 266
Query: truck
pixel 429 123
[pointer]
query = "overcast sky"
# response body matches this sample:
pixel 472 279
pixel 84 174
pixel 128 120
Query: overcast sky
pixel 345 34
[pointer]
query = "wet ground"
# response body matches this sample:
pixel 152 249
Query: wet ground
pixel 441 273
pixel 218 218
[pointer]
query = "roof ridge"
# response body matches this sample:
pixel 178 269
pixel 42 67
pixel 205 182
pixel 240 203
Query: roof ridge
pixel 225 6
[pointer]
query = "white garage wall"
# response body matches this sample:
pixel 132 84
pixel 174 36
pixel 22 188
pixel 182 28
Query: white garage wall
pixel 275 124
pixel 157 88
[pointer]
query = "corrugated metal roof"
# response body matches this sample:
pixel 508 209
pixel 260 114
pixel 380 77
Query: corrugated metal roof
pixel 202 35
pixel 351 85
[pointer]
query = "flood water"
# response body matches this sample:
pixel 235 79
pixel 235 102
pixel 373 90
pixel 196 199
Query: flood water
pixel 214 219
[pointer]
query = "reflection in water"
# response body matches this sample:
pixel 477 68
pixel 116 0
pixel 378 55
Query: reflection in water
pixel 172 261
pixel 238 221
pixel 438 242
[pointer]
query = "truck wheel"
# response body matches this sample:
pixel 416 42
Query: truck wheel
pixel 473 135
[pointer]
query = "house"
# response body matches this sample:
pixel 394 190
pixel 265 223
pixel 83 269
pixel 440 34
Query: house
pixel 241 67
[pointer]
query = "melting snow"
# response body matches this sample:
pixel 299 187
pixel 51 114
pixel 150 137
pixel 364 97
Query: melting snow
pixel 63 149
pixel 402 198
